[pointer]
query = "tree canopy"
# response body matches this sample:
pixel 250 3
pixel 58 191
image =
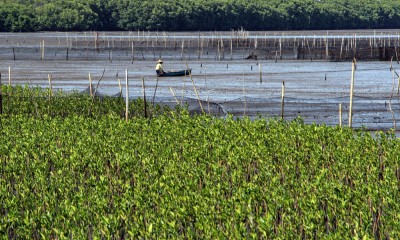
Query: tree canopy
pixel 197 15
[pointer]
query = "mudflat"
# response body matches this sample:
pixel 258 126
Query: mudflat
pixel 223 81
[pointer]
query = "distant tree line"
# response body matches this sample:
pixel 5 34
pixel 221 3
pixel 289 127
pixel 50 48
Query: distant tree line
pixel 195 15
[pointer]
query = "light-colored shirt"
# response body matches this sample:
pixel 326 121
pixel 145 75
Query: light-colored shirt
pixel 159 66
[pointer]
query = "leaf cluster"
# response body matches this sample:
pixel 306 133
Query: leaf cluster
pixel 181 176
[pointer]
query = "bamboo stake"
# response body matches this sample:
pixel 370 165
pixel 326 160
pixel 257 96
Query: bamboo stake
pixel 198 45
pixel 259 65
pixel 1 97
pixel 231 49
pixel 133 56
pixel 183 45
pixel 218 54
pixel 195 90
pixel 9 75
pixel 340 114
pixel 353 68
pixel 173 94
pixel 244 95
pixel 390 100
pixel 144 98
pixel 155 90
pixel 208 105
pixel 126 96
pixel 398 85
pixel 283 99
pixel 341 48
pixel 50 85
pixel 120 87
pixel 326 48
pixel 43 50
pixel 90 85
pixel 222 48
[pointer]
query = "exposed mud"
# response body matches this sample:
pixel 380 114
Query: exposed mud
pixel 224 81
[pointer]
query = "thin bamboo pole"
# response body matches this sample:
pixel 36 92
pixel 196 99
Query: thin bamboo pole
pixel 144 98
pixel 195 90
pixel 353 68
pixel 9 75
pixel 390 100
pixel 155 91
pixel 340 114
pixel 133 56
pixel 43 50
pixel 1 97
pixel 126 96
pixel 326 48
pixel 173 94
pixel 398 85
pixel 244 96
pixel 259 65
pixel 183 46
pixel 283 99
pixel 50 85
pixel 90 85
pixel 120 87
pixel 231 49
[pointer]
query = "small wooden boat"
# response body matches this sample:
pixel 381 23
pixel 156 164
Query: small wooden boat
pixel 176 73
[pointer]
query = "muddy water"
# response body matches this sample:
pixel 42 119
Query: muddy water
pixel 313 90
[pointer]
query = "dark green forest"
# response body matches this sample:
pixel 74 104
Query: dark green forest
pixel 196 15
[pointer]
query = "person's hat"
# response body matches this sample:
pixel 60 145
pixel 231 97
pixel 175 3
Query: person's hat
pixel 160 61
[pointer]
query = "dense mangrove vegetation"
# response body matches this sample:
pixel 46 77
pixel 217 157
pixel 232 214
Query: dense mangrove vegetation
pixel 197 15
pixel 90 174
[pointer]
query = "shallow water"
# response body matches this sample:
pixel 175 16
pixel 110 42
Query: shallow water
pixel 312 89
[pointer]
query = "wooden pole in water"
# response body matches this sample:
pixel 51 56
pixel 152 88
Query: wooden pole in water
pixel 244 96
pixel 50 85
pixel 183 45
pixel 195 90
pixel 283 99
pixel 40 50
pixel 231 49
pixel 341 48
pixel 340 114
pixel 173 94
pixel 1 97
pixel 353 68
pixel 9 75
pixel 198 45
pixel 326 48
pixel 259 65
pixel 155 91
pixel 144 98
pixel 126 96
pixel 43 50
pixel 90 85
pixel 133 56
pixel 398 84
pixel 120 87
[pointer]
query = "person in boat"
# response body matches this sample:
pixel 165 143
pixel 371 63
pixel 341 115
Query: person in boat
pixel 159 68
